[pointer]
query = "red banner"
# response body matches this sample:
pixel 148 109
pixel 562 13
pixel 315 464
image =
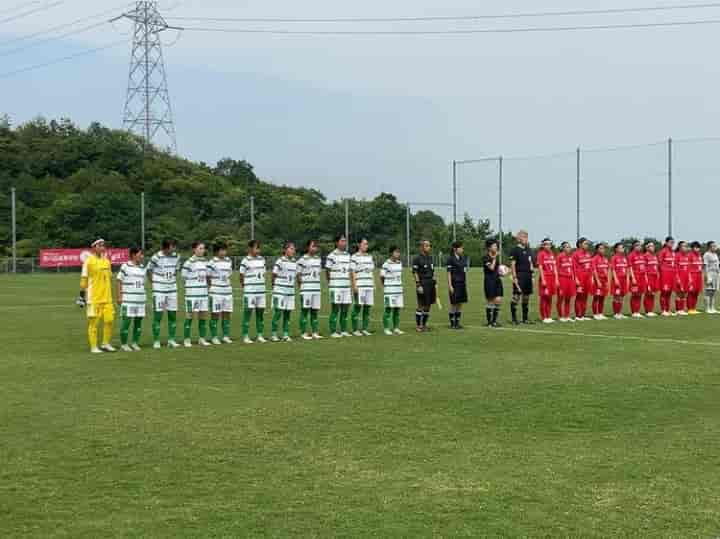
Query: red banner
pixel 72 258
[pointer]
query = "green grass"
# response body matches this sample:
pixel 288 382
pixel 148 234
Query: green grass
pixel 505 433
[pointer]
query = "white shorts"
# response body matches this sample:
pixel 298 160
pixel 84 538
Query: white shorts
pixel 341 296
pixel 133 310
pixel 221 303
pixel 311 300
pixel 197 305
pixel 165 302
pixel 365 296
pixel 395 301
pixel 284 303
pixel 712 280
pixel 255 302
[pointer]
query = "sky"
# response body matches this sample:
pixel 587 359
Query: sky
pixel 359 115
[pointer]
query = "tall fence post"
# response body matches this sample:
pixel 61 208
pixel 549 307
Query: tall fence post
pixel 407 232
pixel 454 197
pixel 347 221
pixel 670 186
pixel 14 229
pixel 252 218
pixel 142 220
pixel 500 207
pixel 577 194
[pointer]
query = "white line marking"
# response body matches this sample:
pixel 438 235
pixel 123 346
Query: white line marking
pixel 655 340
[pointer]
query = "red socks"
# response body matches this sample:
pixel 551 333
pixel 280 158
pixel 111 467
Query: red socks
pixel 635 302
pixel 580 305
pixel 545 307
pixel 692 300
pixel 649 303
pixel 680 304
pixel 617 306
pixel 598 304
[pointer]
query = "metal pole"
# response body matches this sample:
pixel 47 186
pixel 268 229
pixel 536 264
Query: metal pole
pixel 670 189
pixel 142 220
pixel 407 232
pixel 14 230
pixel 500 207
pixel 347 221
pixel 577 194
pixel 252 218
pixel 454 194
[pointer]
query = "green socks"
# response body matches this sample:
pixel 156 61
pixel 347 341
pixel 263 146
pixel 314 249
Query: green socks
pixel 137 330
pixel 213 327
pixel 157 319
pixel 172 325
pixel 187 327
pixel 303 321
pixel 202 327
pixel 259 321
pixel 226 327
pixel 344 317
pixel 391 318
pixel 125 329
pixel 275 323
pixel 355 316
pixel 315 321
pixel 334 311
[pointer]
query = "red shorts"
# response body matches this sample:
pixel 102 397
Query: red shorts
pixel 696 282
pixel 682 284
pixel 641 287
pixel 620 290
pixel 653 283
pixel 668 281
pixel 568 288
pixel 600 291
pixel 547 291
pixel 586 284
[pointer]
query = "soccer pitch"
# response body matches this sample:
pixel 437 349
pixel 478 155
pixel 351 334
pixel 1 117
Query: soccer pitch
pixel 599 429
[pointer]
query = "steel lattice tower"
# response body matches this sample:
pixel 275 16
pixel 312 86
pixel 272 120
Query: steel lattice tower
pixel 147 105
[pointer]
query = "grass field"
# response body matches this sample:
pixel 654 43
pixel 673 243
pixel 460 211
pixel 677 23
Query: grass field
pixel 601 429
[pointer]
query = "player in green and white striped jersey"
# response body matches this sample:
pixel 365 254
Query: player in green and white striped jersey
pixel 221 294
pixel 195 275
pixel 337 265
pixel 362 271
pixel 391 277
pixel 132 298
pixel 163 270
pixel 284 276
pixel 309 269
pixel 252 279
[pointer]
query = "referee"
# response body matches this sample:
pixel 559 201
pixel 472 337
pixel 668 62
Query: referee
pixel 521 261
pixel 457 267
pixel 424 272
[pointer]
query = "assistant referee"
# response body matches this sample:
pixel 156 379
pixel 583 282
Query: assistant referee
pixel 423 269
pixel 521 261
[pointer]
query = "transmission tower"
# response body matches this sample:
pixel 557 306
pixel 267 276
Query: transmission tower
pixel 147 105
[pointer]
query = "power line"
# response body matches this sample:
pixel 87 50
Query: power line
pixel 54 38
pixel 19 6
pixel 62 26
pixel 32 11
pixel 62 59
pixel 536 14
pixel 530 29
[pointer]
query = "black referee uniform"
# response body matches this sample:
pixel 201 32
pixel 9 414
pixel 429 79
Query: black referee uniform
pixel 493 288
pixel 457 267
pixel 423 268
pixel 522 258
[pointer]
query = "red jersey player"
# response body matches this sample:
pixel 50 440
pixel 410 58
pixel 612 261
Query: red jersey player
pixel 638 278
pixel 619 279
pixel 582 265
pixel 682 282
pixel 652 276
pixel 548 280
pixel 696 277
pixel 567 281
pixel 668 275
pixel 601 268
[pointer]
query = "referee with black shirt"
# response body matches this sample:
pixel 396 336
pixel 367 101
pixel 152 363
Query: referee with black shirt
pixel 457 267
pixel 521 261
pixel 424 272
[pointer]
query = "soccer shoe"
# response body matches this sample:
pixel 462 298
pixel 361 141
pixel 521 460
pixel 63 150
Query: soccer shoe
pixel 366 333
pixel 227 340
pixel 563 320
pixel 307 337
pixel 157 345
pixel 96 351
pixel 126 348
pixel 286 338
pixel 203 342
pixel 317 336
pixel 357 333
pixel 618 316
pixel 398 332
pixel 345 334
pixel 261 339
pixel 597 317
pixel 216 341
pixel 388 333
pixel 693 312
pixel 665 313
pixel 674 314
pixel 187 343
pixel 572 320
pixel 275 338
pixel 136 347
pixel 108 348
pixel 548 321
pixel 248 340
pixel 173 344
pixel 336 335
pixel 637 316
pixel 682 313
pixel 651 315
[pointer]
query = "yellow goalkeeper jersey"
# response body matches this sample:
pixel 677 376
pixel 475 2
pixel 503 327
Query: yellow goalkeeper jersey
pixel 97 279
